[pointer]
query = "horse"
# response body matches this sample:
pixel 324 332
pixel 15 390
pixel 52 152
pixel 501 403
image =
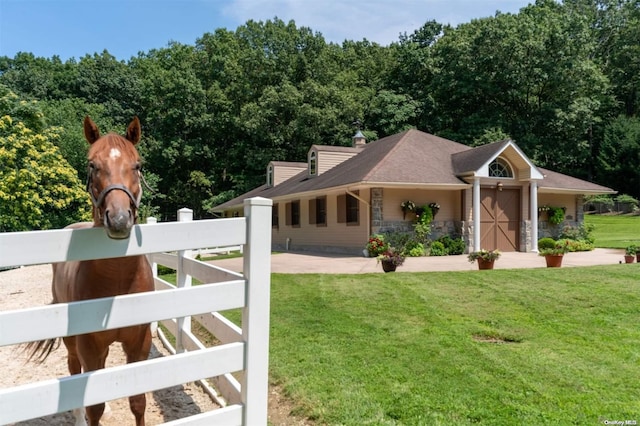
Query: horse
pixel 114 186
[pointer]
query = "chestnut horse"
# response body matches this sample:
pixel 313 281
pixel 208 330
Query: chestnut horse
pixel 114 185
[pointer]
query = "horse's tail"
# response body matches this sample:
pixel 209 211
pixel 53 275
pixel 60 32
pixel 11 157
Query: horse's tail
pixel 40 350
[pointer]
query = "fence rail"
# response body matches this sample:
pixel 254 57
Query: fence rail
pixel 242 349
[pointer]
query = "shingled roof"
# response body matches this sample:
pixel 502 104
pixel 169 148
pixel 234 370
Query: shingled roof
pixel 408 158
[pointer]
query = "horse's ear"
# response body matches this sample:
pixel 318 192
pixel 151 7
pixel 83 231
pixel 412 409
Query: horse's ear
pixel 91 132
pixel 133 131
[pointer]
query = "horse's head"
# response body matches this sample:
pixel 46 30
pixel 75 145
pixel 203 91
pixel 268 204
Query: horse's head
pixel 114 178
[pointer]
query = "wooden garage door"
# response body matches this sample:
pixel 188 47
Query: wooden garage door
pixel 499 219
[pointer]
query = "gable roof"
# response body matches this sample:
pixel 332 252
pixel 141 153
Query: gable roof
pixel 412 158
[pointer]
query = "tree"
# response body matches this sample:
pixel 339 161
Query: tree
pixel 38 188
pixel 619 156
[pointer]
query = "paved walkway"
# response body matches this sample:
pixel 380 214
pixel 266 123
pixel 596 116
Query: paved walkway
pixel 299 263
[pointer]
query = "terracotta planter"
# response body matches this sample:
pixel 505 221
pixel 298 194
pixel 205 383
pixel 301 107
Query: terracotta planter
pixel 485 264
pixel 388 266
pixel 629 258
pixel 553 260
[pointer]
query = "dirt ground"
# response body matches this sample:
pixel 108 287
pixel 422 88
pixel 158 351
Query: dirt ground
pixel 30 287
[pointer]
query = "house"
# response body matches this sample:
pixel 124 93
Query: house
pixel 493 196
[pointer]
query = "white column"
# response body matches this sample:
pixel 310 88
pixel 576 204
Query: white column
pixel 533 203
pixel 183 280
pixel 476 214
pixel 255 314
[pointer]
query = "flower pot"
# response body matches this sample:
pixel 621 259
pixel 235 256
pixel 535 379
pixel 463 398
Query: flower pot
pixel 388 266
pixel 485 264
pixel 638 257
pixel 553 260
pixel 629 258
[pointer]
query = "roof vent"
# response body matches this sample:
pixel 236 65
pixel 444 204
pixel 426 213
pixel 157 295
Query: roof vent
pixel 359 140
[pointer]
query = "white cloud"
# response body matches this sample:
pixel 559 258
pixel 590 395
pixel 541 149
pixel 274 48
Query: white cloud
pixel 381 21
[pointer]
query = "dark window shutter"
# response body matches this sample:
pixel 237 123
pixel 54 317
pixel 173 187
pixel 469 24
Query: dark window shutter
pixel 287 214
pixel 312 212
pixel 342 208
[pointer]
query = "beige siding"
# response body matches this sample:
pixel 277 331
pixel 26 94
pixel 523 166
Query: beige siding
pixel 328 160
pixel 282 173
pixel 312 237
pixel 559 200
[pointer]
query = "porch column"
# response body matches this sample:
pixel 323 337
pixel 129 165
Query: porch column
pixel 533 203
pixel 476 214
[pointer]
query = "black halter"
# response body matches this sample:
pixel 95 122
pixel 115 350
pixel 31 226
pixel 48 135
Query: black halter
pixel 97 202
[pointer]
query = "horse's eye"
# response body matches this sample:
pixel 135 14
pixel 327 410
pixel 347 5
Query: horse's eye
pixel 138 167
pixel 92 166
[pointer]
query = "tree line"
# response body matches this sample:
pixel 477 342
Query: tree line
pixel 562 79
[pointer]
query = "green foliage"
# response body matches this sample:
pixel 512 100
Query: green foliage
pixel 38 188
pixel 437 249
pixel 214 113
pixel 583 232
pixel 546 243
pixel 555 215
pixel 414 249
pixel 452 246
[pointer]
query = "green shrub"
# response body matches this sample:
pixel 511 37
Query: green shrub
pixel 414 249
pixel 546 243
pixel 453 246
pixel 437 249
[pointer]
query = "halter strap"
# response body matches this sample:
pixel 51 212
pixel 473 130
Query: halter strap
pixel 97 202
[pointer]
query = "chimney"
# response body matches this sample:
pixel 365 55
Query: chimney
pixel 359 140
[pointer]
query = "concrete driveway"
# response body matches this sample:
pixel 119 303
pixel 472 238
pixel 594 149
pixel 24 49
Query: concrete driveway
pixel 301 263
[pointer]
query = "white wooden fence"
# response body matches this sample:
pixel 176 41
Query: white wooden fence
pixel 242 350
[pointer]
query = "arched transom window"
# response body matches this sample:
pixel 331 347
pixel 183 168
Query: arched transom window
pixel 499 168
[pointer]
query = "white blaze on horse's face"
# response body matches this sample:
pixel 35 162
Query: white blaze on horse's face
pixel 115 153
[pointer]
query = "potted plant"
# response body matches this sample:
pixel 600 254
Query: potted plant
pixel 553 255
pixel 407 206
pixel 630 253
pixel 390 259
pixel 485 258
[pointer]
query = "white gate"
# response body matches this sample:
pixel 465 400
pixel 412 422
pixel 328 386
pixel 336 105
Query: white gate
pixel 243 349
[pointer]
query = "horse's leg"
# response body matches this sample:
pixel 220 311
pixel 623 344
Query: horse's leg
pixel 137 349
pixel 93 354
pixel 73 363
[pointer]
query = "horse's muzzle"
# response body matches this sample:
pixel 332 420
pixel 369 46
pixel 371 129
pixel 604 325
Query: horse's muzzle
pixel 118 223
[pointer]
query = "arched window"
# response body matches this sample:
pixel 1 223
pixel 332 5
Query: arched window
pixel 499 168
pixel 313 163
pixel 270 176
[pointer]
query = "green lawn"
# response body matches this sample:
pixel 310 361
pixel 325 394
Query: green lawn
pixel 542 346
pixel 615 231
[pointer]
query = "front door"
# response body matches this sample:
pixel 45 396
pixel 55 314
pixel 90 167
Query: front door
pixel 500 219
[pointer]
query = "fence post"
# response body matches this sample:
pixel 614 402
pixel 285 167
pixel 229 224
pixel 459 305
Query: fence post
pixel 183 280
pixel 255 315
pixel 154 269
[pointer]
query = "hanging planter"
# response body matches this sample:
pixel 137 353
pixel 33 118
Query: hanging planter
pixel 407 206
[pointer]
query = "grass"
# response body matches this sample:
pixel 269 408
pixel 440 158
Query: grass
pixel 617 231
pixel 507 347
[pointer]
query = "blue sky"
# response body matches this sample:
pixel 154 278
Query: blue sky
pixel 74 28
